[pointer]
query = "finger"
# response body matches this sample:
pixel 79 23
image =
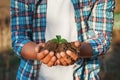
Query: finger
pixel 58 62
pixel 77 43
pixel 52 61
pixel 41 44
pixel 42 54
pixel 37 48
pixel 62 61
pixel 48 57
pixel 72 55
pixel 66 57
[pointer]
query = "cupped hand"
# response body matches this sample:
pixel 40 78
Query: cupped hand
pixel 68 57
pixel 62 58
pixel 45 56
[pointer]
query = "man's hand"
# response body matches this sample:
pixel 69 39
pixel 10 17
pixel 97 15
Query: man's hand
pixel 45 56
pixel 68 57
pixel 63 58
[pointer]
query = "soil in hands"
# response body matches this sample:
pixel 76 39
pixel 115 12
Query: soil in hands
pixel 59 44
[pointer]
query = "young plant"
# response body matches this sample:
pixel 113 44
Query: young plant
pixel 59 40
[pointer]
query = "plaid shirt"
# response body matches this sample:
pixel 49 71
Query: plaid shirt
pixel 94 20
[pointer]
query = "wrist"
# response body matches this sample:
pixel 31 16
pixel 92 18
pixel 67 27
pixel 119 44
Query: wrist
pixel 28 51
pixel 86 50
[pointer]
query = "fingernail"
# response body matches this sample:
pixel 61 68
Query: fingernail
pixel 68 52
pixel 51 53
pixel 62 54
pixel 46 51
pixel 58 55
pixel 53 58
pixel 58 62
pixel 77 43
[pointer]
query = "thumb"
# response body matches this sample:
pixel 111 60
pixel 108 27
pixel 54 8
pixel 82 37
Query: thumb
pixel 39 47
pixel 77 43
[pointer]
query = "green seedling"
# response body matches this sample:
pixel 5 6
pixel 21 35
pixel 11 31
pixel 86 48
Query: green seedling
pixel 59 40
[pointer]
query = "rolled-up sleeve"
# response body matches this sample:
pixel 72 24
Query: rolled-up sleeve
pixel 100 24
pixel 21 22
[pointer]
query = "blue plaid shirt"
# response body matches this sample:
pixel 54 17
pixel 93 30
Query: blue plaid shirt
pixel 94 19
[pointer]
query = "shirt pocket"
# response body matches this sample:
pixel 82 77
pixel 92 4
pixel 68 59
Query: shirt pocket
pixel 84 4
pixel 22 5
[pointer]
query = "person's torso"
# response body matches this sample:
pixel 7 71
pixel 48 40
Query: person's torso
pixel 60 21
pixel 37 13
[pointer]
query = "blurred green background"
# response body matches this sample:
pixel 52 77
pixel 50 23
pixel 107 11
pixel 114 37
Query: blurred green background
pixel 9 62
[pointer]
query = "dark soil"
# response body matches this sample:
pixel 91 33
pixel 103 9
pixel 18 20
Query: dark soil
pixel 63 47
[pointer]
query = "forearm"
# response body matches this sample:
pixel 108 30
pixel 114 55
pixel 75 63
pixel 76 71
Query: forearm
pixel 21 31
pixel 28 51
pixel 100 23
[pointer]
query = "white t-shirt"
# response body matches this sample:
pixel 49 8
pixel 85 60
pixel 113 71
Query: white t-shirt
pixel 60 21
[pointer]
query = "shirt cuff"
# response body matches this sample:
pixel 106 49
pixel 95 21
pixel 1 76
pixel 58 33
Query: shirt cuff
pixel 19 47
pixel 97 48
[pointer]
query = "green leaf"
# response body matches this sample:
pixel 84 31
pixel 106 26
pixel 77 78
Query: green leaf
pixel 63 41
pixel 58 37
pixel 54 40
